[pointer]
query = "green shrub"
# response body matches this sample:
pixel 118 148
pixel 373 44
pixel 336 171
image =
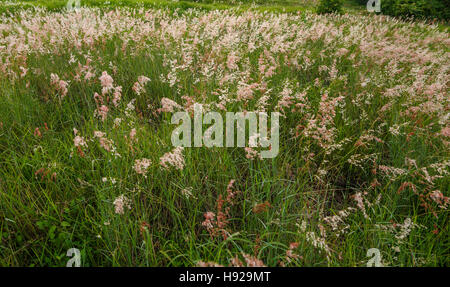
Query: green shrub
pixel 415 8
pixel 329 6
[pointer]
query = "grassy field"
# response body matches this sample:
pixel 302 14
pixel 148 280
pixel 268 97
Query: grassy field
pixel 286 6
pixel 86 159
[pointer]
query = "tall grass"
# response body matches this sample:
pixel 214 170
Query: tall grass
pixel 53 197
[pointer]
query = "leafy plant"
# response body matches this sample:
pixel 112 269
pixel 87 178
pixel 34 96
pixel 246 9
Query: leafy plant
pixel 438 9
pixel 329 6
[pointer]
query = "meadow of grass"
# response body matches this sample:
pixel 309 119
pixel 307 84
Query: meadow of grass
pixel 86 159
pixel 285 6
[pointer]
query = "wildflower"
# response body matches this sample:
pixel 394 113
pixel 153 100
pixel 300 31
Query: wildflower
pixel 89 75
pixel 102 112
pixel 120 203
pixel 99 134
pixel 262 207
pixel 174 158
pixel 236 262
pixel 107 82
pixel 359 198
pixel 290 255
pixel 168 105
pixel 133 134
pixel 337 222
pixel 445 131
pixel 187 192
pixel 117 95
pixel 341 52
pixel 37 133
pixel 253 261
pixel 130 107
pixel 440 199
pixel 318 242
pixel 112 180
pixel 209 223
pixel 79 141
pixel 251 153
pixel 230 194
pixel 117 122
pixel 232 61
pixel 144 227
pixel 59 85
pixel 106 143
pixel 24 71
pixel 138 86
pixel 405 229
pixel 208 264
pixel 141 166
pixel 143 80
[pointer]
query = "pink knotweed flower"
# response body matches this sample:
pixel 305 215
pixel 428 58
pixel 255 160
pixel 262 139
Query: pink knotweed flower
pixel 24 71
pixel 253 261
pixel 174 158
pixel 79 141
pixel 270 72
pixel 341 52
pixel 446 131
pixel 208 264
pixel 290 255
pixel 251 153
pixel 106 80
pixel 209 219
pixel 438 197
pixel 250 261
pixel 117 122
pixel 138 87
pixel 102 112
pixel 143 80
pixel 54 79
pixel 105 143
pixel 89 75
pixel 210 223
pixel 133 135
pixel 245 91
pixel 141 166
pixel 232 61
pixel 59 85
pixel 117 95
pixel 359 198
pixel 168 105
pixel 99 134
pixel 37 133
pixel 120 203
pixel 236 262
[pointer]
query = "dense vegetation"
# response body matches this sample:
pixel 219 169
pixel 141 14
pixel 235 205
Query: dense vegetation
pixel 438 9
pixel 86 159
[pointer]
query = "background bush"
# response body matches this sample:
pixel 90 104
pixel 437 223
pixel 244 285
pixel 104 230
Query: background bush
pixel 329 6
pixel 417 8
